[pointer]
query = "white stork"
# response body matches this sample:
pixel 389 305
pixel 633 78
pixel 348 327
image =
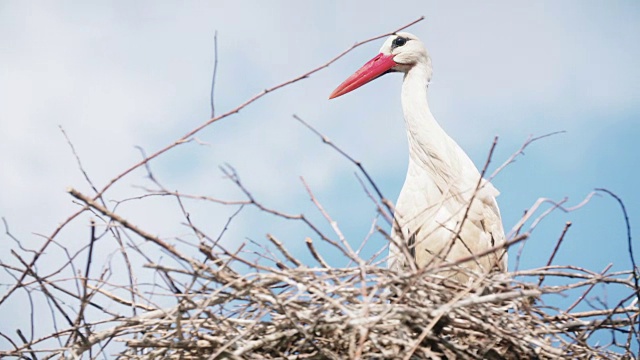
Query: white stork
pixel 441 179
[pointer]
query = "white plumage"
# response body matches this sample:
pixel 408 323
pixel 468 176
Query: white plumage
pixel 441 179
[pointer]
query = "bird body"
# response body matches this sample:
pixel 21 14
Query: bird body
pixel 443 213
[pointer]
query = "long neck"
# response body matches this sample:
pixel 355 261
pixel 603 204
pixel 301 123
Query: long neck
pixel 427 140
pixel 433 154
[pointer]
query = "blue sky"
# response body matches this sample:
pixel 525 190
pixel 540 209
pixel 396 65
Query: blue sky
pixel 122 74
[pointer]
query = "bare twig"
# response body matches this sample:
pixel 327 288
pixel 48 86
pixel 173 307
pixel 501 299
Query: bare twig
pixel 117 218
pixel 215 70
pixel 636 275
pixel 555 249
pixel 357 163
pixel 520 151
pixel 77 157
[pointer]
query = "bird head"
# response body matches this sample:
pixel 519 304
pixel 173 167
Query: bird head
pixel 400 53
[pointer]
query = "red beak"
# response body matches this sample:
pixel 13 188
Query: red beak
pixel 369 71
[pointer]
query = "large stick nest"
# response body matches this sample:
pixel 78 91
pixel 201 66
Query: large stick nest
pixel 267 304
pixel 292 311
pixel 369 312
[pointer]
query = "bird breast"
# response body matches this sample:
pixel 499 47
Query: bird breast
pixel 433 203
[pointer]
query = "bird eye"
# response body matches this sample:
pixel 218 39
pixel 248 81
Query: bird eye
pixel 399 41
